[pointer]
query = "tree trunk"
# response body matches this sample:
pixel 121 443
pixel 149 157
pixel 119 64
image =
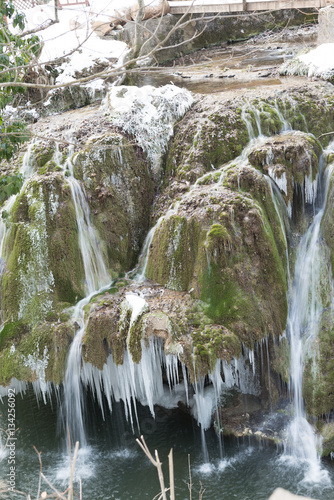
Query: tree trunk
pixel 139 17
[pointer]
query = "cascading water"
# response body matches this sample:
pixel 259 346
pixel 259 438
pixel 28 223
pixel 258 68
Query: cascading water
pixel 304 315
pixel 97 279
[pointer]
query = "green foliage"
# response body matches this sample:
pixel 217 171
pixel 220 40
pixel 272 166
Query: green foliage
pixel 11 184
pixel 16 53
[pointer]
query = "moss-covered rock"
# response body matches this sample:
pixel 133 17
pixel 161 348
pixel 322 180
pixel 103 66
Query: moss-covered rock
pixel 120 193
pixel 327 222
pixel 319 370
pixel 289 159
pixel 208 137
pixel 37 353
pixel 44 264
pixel 327 433
pixel 228 250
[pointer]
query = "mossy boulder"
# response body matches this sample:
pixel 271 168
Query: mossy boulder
pixel 226 247
pixel 120 192
pixel 319 370
pixel 207 137
pixel 289 159
pixel 43 261
pixel 38 353
pixel 175 317
pixel 327 222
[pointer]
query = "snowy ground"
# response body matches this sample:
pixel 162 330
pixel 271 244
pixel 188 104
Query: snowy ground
pixel 59 40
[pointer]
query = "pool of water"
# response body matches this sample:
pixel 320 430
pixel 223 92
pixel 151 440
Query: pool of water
pixel 113 466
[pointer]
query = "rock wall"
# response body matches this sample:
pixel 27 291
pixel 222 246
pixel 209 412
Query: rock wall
pixel 217 265
pixel 194 33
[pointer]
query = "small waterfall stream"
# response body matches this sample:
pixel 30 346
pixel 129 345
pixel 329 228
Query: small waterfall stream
pixel 304 316
pixel 97 280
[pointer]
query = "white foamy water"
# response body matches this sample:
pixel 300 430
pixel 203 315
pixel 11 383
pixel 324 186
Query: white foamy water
pixel 304 316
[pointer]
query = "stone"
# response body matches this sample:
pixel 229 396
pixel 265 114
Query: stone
pixel 326 25
pixel 280 494
pixel 101 28
pixel 195 32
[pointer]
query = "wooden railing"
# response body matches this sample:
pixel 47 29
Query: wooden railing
pixel 216 6
pixel 65 3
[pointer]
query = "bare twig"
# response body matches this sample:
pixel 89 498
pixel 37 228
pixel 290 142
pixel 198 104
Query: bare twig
pixel 157 464
pixel 327 133
pixel 190 484
pixel 171 475
pixel 40 473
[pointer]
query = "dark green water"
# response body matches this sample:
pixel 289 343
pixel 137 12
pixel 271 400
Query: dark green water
pixel 114 467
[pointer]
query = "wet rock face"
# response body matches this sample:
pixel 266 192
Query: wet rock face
pixel 210 135
pixel 120 192
pixel 175 317
pixel 289 159
pixel 44 272
pixel 217 264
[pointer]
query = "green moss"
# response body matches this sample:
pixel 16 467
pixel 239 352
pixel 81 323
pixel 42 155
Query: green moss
pixel 318 381
pixel 218 231
pixel 327 222
pixel 42 153
pixel 196 150
pixel 49 342
pixel 12 332
pixel 173 252
pixel 11 366
pixel 212 343
pixel 327 433
pixel 64 252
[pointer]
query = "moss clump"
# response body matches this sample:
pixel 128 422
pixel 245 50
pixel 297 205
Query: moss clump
pixel 23 349
pixel 318 378
pixel 218 231
pixel 12 332
pixel 327 433
pixel 212 343
pixel 173 252
pixel 42 153
pixel 215 140
pixel 44 262
pixel 229 250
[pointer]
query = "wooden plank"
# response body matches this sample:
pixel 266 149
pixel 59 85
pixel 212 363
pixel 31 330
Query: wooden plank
pixel 212 6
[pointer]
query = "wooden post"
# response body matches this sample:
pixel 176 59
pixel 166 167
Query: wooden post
pixel 244 5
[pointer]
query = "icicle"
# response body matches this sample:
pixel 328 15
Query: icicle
pixel 172 370
pixel 268 368
pixel 185 381
pixel 281 181
pixel 310 188
pixel 252 359
pixel 19 386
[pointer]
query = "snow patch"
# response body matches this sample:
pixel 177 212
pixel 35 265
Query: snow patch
pixel 318 62
pixel 149 114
